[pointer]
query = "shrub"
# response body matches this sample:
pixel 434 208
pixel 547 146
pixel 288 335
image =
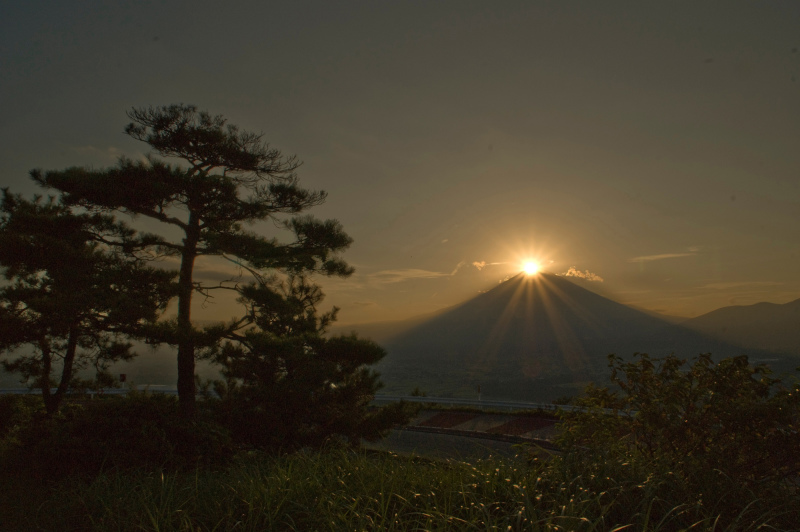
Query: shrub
pixel 17 411
pixel 116 432
pixel 728 431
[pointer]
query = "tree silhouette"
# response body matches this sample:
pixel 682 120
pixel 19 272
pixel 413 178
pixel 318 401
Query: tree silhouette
pixel 287 385
pixel 229 178
pixel 70 297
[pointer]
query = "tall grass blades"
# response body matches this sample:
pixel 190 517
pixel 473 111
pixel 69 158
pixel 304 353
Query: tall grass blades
pixel 345 490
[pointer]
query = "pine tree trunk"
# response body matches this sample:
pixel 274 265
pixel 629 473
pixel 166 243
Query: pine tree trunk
pixel 186 383
pixel 54 402
pixel 44 379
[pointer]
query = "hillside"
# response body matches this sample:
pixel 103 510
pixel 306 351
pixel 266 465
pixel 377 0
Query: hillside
pixel 767 325
pixel 532 338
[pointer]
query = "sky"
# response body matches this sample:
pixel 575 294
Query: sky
pixel 651 151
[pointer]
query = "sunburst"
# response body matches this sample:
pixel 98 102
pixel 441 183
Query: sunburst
pixel 530 267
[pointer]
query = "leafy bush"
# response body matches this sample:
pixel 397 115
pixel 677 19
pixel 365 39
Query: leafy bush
pixel 116 432
pixel 728 430
pixel 16 413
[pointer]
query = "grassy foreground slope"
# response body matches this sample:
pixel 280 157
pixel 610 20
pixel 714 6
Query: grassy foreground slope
pixel 346 490
pixel 711 446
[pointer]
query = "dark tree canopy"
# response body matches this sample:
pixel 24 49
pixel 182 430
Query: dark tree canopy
pixel 287 385
pixel 226 179
pixel 70 296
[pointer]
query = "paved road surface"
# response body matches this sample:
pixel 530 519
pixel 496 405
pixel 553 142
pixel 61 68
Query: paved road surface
pixel 442 446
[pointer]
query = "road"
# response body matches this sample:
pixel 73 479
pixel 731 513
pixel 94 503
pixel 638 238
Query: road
pixel 442 446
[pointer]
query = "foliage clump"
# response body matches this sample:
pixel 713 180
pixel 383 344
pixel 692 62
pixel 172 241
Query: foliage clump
pixel 726 434
pixel 71 300
pixel 288 385
pixel 136 432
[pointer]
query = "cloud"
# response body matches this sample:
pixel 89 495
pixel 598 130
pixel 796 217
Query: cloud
pixel 204 274
pixel 363 304
pixel 740 284
pixel 458 267
pixel 222 275
pixel 110 150
pixel 585 275
pixel 482 264
pixel 107 154
pixel 398 276
pixel 649 258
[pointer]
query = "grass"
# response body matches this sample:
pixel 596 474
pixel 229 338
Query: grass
pixel 117 465
pixel 345 490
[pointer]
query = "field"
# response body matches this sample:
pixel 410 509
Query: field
pixel 341 489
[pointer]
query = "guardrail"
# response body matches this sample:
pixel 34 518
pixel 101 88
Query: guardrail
pixel 448 401
pixel 154 388
pixel 487 404
pixel 444 401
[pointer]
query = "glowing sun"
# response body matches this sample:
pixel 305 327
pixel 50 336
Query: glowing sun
pixel 530 268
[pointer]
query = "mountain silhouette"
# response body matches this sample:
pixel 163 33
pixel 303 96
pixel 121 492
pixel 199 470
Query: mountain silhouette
pixel 767 325
pixel 532 337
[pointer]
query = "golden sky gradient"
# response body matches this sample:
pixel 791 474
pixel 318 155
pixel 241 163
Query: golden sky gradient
pixel 650 150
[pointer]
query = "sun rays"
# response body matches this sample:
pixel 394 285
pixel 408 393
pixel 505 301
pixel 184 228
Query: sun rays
pixel 541 305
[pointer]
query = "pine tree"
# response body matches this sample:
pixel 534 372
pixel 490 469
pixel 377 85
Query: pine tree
pixel 288 385
pixel 71 298
pixel 228 178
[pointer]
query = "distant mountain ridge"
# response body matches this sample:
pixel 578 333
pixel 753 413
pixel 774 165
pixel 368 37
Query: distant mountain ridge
pixel 531 337
pixel 771 326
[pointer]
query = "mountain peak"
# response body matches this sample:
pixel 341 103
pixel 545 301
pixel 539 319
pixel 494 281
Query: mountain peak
pixel 527 333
